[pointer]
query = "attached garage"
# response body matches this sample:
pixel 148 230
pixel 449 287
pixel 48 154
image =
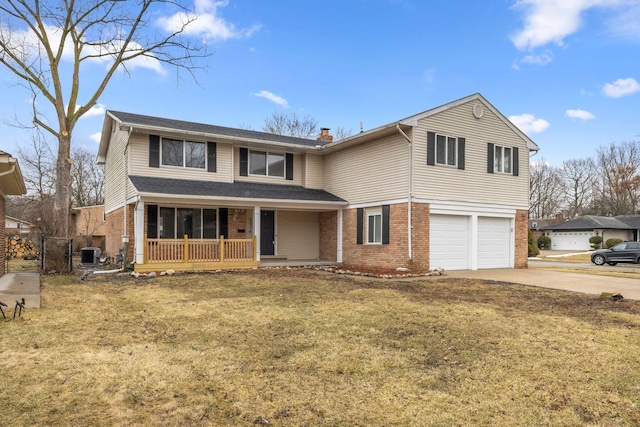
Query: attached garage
pixel 449 242
pixel 464 242
pixel 494 242
pixel 571 240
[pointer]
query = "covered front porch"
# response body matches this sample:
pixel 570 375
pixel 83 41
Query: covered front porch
pixel 209 233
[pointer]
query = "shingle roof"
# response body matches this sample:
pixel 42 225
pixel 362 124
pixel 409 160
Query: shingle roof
pixel 245 190
pixel 180 125
pixel 589 222
pixel 632 221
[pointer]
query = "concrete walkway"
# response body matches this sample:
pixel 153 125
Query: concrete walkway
pixel 15 286
pixel 574 282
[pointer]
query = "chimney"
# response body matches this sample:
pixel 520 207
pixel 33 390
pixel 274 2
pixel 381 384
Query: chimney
pixel 325 136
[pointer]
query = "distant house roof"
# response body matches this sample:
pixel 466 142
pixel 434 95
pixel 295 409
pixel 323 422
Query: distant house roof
pixel 632 221
pixel 590 222
pixel 240 190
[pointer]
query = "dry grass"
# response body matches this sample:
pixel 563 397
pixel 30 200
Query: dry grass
pixel 297 348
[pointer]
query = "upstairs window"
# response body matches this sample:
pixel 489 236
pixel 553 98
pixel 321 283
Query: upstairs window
pixel 266 164
pixel 446 150
pixel 187 154
pixel 502 159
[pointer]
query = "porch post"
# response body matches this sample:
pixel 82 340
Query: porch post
pixel 138 232
pixel 339 239
pixel 256 229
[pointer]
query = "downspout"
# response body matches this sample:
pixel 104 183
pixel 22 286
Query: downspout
pixel 12 170
pixel 410 195
pixel 126 177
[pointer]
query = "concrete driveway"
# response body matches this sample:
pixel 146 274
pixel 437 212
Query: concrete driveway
pixel 574 282
pixel 15 286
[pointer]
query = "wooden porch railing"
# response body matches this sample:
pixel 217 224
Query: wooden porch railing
pixel 199 250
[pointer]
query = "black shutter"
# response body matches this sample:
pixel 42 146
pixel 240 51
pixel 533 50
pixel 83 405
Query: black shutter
pixel 244 162
pixel 490 157
pixel 224 221
pixel 289 166
pixel 359 225
pixel 431 148
pixel 152 221
pixel 212 157
pixel 385 224
pixel 461 143
pixel 154 151
pixel 516 169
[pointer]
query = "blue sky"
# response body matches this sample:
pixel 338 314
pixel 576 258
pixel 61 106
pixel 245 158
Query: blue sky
pixel 565 71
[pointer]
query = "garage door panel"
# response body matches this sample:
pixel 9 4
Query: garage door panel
pixel 571 240
pixel 494 242
pixel 449 242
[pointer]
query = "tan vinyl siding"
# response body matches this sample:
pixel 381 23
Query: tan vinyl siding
pixel 298 234
pixel 298 171
pixel 473 184
pixel 140 163
pixel 370 172
pixel 314 171
pixel 115 173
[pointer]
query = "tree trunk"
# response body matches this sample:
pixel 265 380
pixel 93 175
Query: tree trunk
pixel 63 186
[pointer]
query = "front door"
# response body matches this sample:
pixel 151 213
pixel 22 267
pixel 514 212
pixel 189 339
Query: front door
pixel 267 233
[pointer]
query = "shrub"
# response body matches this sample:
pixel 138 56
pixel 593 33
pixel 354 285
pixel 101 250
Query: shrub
pixel 544 242
pixel 533 249
pixel 613 241
pixel 595 241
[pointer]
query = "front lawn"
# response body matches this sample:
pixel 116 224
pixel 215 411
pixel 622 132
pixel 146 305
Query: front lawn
pixel 303 348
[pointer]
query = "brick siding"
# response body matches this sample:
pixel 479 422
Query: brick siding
pixel 3 235
pixel 115 231
pixel 521 237
pixel 329 236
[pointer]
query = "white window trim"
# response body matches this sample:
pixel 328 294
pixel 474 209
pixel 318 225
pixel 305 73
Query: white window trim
pixel 502 149
pixel 184 154
pixel 267 153
pixel 369 213
pixel 446 156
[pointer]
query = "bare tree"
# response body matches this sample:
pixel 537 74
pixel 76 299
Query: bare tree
pixel 341 133
pixel 280 123
pixel 618 167
pixel 36 37
pixel 545 197
pixel 87 186
pixel 578 182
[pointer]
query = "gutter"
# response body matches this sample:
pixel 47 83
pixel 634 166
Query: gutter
pixel 410 189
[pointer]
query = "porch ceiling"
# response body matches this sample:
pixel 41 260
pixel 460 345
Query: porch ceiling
pixel 242 193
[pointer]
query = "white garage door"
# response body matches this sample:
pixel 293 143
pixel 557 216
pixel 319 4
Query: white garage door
pixel 494 242
pixel 449 242
pixel 571 240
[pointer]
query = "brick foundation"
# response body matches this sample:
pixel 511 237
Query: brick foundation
pixel 329 236
pixel 115 231
pixel 3 235
pixel 393 255
pixel 521 238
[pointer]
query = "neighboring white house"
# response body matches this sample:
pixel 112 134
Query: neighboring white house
pixel 575 234
pixel 18 226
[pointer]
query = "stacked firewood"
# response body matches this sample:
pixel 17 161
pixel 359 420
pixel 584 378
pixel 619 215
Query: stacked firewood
pixel 17 247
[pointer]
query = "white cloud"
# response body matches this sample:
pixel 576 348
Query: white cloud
pixel 96 110
pixel 551 21
pixel 273 98
pixel 95 137
pixel 528 123
pixel 206 22
pixel 621 87
pixel 580 114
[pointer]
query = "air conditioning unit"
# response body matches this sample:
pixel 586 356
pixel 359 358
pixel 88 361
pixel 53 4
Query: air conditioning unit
pixel 89 257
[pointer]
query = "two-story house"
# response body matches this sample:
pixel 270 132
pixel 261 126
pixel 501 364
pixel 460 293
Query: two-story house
pixel 448 187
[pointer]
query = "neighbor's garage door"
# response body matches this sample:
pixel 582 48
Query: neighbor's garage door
pixel 571 240
pixel 449 242
pixel 494 242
